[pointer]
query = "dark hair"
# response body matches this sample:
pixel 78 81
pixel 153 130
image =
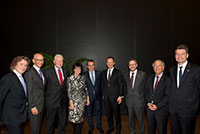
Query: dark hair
pixel 18 59
pixel 90 60
pixel 132 59
pixel 110 57
pixel 77 65
pixel 183 46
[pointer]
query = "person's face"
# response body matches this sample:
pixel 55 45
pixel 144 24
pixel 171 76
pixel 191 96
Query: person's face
pixel 110 63
pixel 58 62
pixel 21 66
pixel 181 56
pixel 158 67
pixel 132 65
pixel 91 66
pixel 38 60
pixel 77 70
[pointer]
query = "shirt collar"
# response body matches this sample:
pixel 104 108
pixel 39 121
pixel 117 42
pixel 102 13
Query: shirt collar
pixel 56 68
pixel 91 72
pixel 183 65
pixel 18 74
pixel 111 69
pixel 160 75
pixel 133 72
pixel 37 68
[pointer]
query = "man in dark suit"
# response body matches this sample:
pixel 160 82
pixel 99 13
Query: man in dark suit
pixel 112 87
pixel 157 91
pixel 56 96
pixel 134 96
pixel 35 86
pixel 93 83
pixel 184 96
pixel 13 96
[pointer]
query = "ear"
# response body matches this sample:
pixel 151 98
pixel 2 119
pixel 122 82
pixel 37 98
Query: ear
pixel 187 55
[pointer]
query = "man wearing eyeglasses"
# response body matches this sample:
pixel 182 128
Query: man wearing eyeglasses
pixel 35 86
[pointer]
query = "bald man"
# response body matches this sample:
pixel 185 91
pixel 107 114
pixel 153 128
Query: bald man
pixel 35 86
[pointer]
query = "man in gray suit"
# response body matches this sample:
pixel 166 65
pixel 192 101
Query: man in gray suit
pixel 134 96
pixel 35 86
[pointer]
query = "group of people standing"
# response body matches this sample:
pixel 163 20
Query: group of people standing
pixel 26 92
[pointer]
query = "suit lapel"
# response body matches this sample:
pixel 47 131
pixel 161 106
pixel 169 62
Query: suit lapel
pixel 113 74
pixel 55 74
pixel 186 71
pixel 152 83
pixel 136 78
pixel 88 75
pixel 175 75
pixel 37 74
pixel 159 82
pixel 19 82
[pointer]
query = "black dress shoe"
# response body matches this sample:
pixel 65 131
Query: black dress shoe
pixel 109 131
pixel 118 132
pixel 100 130
pixel 90 131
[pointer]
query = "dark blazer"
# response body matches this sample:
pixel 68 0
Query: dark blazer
pixel 13 102
pixel 55 94
pixel 35 89
pixel 113 88
pixel 94 88
pixel 135 95
pixel 161 96
pixel 185 99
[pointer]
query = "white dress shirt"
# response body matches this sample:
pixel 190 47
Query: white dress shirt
pixel 134 76
pixel 111 70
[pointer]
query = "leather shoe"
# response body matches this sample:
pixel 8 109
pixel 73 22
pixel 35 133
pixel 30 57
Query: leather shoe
pixel 109 131
pixel 90 131
pixel 118 132
pixel 100 130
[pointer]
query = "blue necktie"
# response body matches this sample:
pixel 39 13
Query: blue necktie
pixel 23 84
pixel 180 74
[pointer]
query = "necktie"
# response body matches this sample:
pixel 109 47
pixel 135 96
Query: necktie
pixel 180 74
pixel 60 77
pixel 40 73
pixel 157 79
pixel 109 75
pixel 132 79
pixel 23 84
pixel 92 78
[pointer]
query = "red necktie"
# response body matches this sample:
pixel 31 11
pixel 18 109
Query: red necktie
pixel 60 77
pixel 157 79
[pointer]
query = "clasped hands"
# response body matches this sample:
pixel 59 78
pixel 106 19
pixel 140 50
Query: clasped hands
pixel 152 106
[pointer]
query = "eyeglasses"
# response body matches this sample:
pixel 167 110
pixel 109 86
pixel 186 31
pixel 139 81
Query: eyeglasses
pixel 39 60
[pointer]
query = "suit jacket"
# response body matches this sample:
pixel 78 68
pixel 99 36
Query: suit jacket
pixel 135 95
pixel 161 95
pixel 113 88
pixel 94 90
pixel 55 94
pixel 13 101
pixel 35 87
pixel 185 99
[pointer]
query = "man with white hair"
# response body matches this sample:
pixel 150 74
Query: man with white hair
pixel 56 96
pixel 157 89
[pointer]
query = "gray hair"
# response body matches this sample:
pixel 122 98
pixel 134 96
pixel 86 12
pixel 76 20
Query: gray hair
pixel 163 63
pixel 58 55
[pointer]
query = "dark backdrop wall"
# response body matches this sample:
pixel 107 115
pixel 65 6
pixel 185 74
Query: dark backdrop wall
pixel 143 29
